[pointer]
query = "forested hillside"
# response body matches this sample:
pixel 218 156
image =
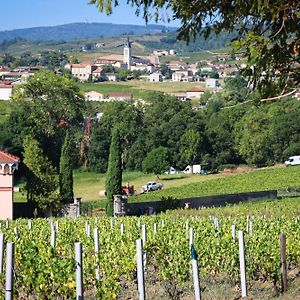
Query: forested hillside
pixel 73 31
pixel 61 40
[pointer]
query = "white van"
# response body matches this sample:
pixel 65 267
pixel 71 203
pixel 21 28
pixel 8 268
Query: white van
pixel 192 169
pixel 293 161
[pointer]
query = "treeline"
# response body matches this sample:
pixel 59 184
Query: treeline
pixel 252 133
pixel 169 41
pixel 50 59
pixel 232 126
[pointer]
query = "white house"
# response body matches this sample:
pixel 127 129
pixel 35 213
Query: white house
pixel 194 93
pixel 212 83
pixel 111 76
pixel 179 75
pixel 98 74
pixel 93 96
pixel 155 77
pixel 5 91
pixel 187 79
pixel 82 71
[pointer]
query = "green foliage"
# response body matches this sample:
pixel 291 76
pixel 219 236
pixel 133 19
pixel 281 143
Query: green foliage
pixel 63 101
pixel 157 161
pixel 41 186
pixel 189 148
pixel 254 138
pixel 66 170
pixel 113 184
pixel 168 203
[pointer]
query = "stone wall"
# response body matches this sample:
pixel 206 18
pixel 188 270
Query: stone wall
pixel 196 202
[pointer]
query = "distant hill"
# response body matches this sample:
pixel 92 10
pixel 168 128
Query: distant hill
pixel 74 31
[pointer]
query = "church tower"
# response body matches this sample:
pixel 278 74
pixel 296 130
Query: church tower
pixel 127 54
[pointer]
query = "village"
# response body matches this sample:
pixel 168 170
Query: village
pixel 207 75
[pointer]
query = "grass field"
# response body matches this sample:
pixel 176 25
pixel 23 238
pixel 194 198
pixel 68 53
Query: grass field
pixel 139 88
pixel 89 185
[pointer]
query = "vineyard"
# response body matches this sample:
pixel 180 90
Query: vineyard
pixel 45 267
pixel 258 180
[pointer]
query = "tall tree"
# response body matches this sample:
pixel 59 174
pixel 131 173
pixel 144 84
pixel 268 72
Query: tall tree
pixel 189 149
pixel 41 184
pixel 66 171
pixel 157 161
pixel 267 31
pixel 113 185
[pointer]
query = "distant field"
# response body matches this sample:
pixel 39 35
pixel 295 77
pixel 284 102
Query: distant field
pixel 139 88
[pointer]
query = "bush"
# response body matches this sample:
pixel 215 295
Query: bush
pixel 226 166
pixel 168 203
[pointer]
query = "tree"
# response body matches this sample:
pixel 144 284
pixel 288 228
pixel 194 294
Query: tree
pixel 190 142
pixel 157 161
pixel 53 98
pixel 113 185
pixel 267 32
pixel 253 138
pixel 41 183
pixel 49 102
pixel 66 171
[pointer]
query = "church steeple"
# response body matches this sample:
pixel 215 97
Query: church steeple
pixel 127 53
pixel 128 42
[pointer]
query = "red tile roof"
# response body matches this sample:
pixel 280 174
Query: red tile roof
pixel 8 158
pixel 79 65
pixel 6 86
pixel 98 70
pixel 195 89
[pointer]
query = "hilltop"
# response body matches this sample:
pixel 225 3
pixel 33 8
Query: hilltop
pixel 68 32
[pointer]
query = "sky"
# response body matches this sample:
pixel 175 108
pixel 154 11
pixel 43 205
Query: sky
pixel 17 14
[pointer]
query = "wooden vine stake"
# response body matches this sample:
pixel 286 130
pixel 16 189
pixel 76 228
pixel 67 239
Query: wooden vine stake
pixel 283 268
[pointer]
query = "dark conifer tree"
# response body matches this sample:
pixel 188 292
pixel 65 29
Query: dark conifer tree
pixel 113 184
pixel 66 171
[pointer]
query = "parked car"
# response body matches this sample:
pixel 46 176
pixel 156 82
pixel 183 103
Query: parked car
pixel 171 171
pixel 293 161
pixel 151 186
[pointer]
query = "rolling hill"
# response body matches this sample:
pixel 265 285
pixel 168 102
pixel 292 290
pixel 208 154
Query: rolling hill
pixel 73 31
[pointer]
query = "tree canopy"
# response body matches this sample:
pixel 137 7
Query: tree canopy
pixel 267 32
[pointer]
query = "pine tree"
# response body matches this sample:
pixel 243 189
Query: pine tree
pixel 113 184
pixel 66 171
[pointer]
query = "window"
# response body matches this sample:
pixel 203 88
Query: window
pixel 6 169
